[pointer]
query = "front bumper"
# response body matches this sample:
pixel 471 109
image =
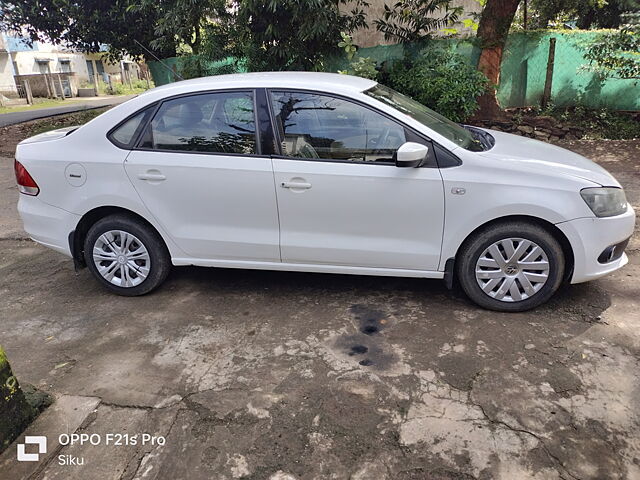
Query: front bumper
pixel 589 237
pixel 46 224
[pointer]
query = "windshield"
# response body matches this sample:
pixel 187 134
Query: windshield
pixel 452 131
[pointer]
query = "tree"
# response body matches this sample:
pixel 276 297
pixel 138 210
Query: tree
pixel 293 34
pixel 585 13
pixel 616 55
pixel 161 26
pixel 85 25
pixel 412 20
pixel 182 21
pixel 493 29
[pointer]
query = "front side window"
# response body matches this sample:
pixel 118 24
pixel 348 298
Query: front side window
pixel 324 127
pixel 445 127
pixel 209 123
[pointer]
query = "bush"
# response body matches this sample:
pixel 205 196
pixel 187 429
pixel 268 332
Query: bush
pixel 142 85
pixel 439 79
pixel 117 88
pixel 601 123
pixel 360 67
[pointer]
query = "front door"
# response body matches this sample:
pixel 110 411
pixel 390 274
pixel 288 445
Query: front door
pixel 341 199
pixel 198 172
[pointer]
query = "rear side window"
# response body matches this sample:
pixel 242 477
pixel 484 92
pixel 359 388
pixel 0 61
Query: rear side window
pixel 124 135
pixel 210 123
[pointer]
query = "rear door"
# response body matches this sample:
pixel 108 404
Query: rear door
pixel 341 199
pixel 199 171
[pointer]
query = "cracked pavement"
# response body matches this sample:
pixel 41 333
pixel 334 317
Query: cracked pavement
pixel 281 376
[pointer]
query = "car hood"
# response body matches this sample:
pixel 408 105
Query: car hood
pixel 50 135
pixel 534 155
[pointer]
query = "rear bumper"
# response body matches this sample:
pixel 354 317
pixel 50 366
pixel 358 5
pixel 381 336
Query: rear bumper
pixel 590 237
pixel 46 224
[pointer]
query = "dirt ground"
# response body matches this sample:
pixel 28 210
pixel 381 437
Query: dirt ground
pixel 281 376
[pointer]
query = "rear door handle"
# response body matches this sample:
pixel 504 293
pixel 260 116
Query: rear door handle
pixel 296 185
pixel 154 177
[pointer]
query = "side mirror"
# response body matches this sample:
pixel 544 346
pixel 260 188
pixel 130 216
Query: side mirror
pixel 411 155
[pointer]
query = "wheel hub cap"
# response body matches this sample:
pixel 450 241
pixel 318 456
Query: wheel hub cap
pixel 121 258
pixel 512 269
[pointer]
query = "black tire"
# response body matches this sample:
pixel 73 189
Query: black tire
pixel 475 246
pixel 159 258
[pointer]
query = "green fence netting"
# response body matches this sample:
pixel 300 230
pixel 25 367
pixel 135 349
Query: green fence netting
pixel 523 69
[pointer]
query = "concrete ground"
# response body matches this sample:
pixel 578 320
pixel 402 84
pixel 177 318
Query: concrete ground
pixel 75 105
pixel 281 376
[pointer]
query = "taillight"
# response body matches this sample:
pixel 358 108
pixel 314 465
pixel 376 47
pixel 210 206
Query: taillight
pixel 26 184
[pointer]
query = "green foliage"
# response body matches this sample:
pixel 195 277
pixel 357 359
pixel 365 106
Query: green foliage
pixel 360 67
pixel 616 54
pixel 412 20
pixel 162 26
pixel 439 79
pixel 86 26
pixel 582 14
pixel 364 67
pixel 599 124
pixel 117 88
pixel 293 34
pixel 347 44
pixel 193 66
pixel 183 21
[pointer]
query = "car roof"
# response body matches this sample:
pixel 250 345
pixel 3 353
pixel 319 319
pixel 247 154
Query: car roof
pixel 329 82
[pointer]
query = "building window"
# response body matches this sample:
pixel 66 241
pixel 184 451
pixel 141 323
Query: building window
pixel 43 66
pixel 65 66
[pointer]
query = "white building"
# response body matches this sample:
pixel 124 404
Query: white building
pixel 19 60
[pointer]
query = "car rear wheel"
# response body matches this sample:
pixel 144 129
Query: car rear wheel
pixel 126 256
pixel 511 267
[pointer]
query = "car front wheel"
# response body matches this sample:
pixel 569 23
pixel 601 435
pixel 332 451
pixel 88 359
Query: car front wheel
pixel 126 256
pixel 511 267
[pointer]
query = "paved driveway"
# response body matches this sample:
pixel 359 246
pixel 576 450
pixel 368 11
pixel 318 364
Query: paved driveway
pixel 273 375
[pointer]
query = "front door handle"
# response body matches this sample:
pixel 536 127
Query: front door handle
pixel 296 185
pixel 152 176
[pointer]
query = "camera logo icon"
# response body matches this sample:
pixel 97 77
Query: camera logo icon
pixel 40 441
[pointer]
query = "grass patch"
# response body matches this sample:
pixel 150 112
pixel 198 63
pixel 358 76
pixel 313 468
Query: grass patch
pixel 38 103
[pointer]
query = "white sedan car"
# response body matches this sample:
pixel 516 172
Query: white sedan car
pixel 323 173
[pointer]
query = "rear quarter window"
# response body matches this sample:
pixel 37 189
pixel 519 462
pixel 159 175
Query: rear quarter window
pixel 125 134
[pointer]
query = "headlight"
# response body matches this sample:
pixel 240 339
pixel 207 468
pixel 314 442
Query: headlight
pixel 605 202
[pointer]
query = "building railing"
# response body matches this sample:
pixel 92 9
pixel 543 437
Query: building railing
pixel 22 91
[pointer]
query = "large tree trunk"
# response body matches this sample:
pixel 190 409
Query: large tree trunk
pixel 493 29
